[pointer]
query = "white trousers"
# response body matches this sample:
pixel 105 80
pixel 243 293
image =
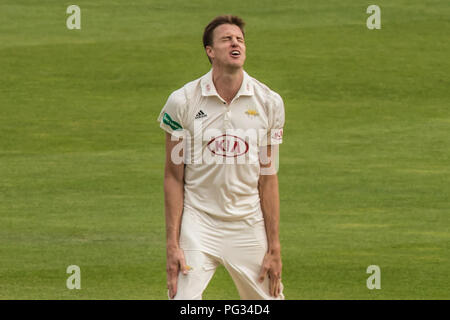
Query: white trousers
pixel 239 246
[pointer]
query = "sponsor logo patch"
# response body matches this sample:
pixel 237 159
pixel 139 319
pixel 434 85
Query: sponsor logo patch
pixel 228 146
pixel 277 134
pixel 171 123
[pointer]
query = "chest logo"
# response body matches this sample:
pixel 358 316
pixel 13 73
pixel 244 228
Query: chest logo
pixel 228 146
pixel 200 115
pixel 252 112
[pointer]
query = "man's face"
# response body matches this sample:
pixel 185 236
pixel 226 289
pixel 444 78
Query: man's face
pixel 228 48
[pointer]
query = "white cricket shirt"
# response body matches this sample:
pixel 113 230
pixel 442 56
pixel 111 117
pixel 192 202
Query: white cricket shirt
pixel 222 143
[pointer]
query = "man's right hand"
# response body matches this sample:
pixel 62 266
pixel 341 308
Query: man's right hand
pixel 175 264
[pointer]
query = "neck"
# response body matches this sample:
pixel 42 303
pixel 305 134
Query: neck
pixel 227 82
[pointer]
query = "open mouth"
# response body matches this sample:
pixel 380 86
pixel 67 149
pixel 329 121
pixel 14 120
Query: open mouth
pixel 235 53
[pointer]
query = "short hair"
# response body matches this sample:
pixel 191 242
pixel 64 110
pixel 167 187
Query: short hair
pixel 217 21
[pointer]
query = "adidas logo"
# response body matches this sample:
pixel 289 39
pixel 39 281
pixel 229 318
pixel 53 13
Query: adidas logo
pixel 200 115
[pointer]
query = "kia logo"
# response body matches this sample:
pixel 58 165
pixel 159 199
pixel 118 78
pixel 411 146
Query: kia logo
pixel 228 146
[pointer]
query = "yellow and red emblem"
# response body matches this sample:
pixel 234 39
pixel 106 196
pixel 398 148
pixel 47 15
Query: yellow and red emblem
pixel 252 112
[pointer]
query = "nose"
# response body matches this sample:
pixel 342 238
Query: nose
pixel 234 42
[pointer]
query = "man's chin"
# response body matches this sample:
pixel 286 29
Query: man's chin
pixel 231 65
pixel 235 65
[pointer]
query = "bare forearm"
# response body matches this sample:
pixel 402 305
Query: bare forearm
pixel 270 205
pixel 174 195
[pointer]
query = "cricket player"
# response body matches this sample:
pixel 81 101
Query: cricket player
pixel 222 200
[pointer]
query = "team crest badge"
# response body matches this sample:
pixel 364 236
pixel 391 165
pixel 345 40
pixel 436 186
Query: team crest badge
pixel 252 112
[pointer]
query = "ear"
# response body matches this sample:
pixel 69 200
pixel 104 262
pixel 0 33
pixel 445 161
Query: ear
pixel 209 52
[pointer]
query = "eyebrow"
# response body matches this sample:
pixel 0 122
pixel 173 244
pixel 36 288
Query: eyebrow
pixel 227 36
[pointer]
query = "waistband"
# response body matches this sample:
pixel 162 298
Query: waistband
pixel 250 219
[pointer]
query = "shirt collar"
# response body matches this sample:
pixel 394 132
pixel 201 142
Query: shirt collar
pixel 208 88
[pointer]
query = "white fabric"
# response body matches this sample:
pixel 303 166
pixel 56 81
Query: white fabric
pixel 239 246
pixel 222 167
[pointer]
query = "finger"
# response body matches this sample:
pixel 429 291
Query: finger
pixel 183 266
pixel 172 278
pixel 270 284
pixel 279 286
pixel 185 269
pixel 276 291
pixel 172 289
pixel 273 285
pixel 263 273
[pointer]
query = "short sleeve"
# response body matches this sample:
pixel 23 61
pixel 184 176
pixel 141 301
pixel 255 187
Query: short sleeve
pixel 275 115
pixel 171 117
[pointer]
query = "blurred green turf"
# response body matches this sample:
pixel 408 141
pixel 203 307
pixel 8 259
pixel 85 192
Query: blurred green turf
pixel 364 176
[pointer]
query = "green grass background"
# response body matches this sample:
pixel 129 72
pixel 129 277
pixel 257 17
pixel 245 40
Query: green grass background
pixel 364 175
